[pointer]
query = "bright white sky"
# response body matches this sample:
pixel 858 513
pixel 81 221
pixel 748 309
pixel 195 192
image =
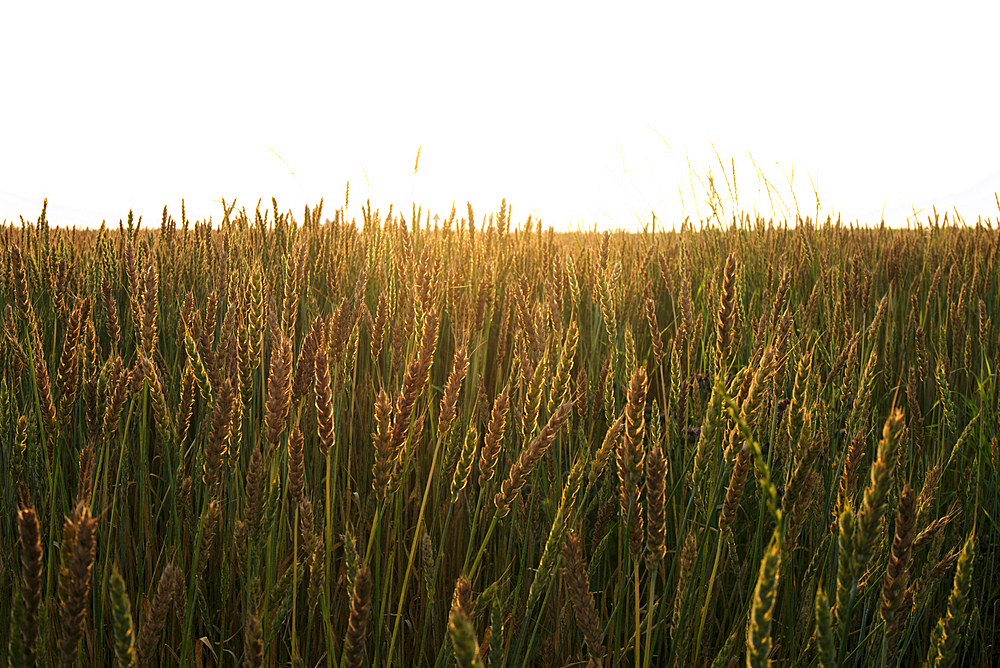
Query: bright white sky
pixel 577 112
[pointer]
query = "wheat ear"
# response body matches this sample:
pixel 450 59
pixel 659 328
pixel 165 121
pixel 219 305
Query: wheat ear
pixel 759 631
pixel 357 625
pixel 947 632
pixel 460 628
pixel 31 581
pixel 122 618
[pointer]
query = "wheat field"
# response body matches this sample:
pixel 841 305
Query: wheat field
pixel 312 441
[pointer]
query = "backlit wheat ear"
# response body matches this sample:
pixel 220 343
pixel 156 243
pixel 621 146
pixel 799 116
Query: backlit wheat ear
pixel 69 363
pixel 197 368
pixel 149 308
pixel 296 471
pixel 895 580
pixel 460 366
pixel 560 390
pixel 357 625
pixel 607 388
pixel 43 386
pixel 654 329
pixel 608 305
pixel 930 531
pixel 415 379
pixel 726 325
pixel 532 401
pixel 680 630
pixel 134 288
pixel 554 543
pixel 848 478
pixel 752 393
pixel 384 457
pixel 928 493
pixel 656 519
pixel 705 449
pixel 608 445
pixel 78 557
pixel 86 472
pixel 873 504
pixel 324 402
pixel 463 634
pixel 290 306
pixel 305 370
pixel 522 468
pixel 734 492
pixel 31 581
pixel 494 437
pixel 575 575
pixel 279 389
pixel 809 450
pixel 20 283
pixel 759 631
pixel 156 616
pixel 157 398
pixel 222 418
pixel 254 492
pixel 461 597
pixel 10 335
pixel 378 332
pixel 631 455
pixel 583 399
pixel 466 459
pixel 802 395
pixel 117 390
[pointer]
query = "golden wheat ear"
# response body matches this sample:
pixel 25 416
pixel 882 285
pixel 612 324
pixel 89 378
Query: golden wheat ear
pixel 759 630
pixel 357 625
pixel 324 402
pixel 490 451
pixel 631 457
pixel 896 576
pixel 574 574
pixel 31 582
pixel 296 470
pixel 460 366
pixel 522 468
pixel 656 517
pixel 726 324
pixel 464 642
pixel 279 390
pixel 149 633
pixel 78 558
